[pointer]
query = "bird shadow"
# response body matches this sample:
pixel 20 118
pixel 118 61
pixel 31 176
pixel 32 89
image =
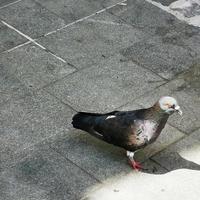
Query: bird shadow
pixel 175 161
pixel 166 162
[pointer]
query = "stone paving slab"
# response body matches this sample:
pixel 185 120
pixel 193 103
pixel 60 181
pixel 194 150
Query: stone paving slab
pixel 44 174
pixel 9 38
pixel 194 43
pixel 33 66
pixel 105 86
pixel 29 120
pixel 70 10
pixel 165 59
pixel 196 134
pixel 30 18
pixel 11 87
pixel 184 154
pixel 92 40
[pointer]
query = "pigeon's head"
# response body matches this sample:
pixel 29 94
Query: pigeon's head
pixel 169 105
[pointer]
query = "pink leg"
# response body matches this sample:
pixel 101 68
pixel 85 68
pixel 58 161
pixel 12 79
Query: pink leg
pixel 135 165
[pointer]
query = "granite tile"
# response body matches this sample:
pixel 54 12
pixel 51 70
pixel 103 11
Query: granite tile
pixel 30 120
pixel 9 38
pixel 44 174
pixel 30 18
pixel 106 86
pixel 196 134
pixel 33 66
pixel 165 59
pixel 11 87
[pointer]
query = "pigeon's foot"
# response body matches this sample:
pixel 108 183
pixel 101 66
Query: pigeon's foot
pixel 136 165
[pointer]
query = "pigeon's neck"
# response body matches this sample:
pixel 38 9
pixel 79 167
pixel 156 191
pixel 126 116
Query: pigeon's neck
pixel 155 113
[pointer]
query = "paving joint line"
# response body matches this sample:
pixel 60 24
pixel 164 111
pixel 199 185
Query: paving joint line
pixel 185 133
pixel 58 57
pixel 152 35
pixel 32 40
pixel 128 23
pixel 67 25
pixel 53 82
pixel 134 99
pixel 76 71
pixel 33 92
pixel 169 145
pixel 29 147
pixel 152 160
pixel 146 68
pixel 16 47
pixel 67 159
pixel 66 104
pixel 39 4
pixel 86 17
pixel 22 34
pixel 5 6
pixel 122 3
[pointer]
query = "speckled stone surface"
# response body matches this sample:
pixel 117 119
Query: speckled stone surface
pixel 60 57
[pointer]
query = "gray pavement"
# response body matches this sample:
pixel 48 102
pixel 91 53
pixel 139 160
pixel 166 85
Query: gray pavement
pixel 59 57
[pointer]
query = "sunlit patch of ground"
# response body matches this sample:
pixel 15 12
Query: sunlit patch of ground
pixel 174 185
pixel 178 184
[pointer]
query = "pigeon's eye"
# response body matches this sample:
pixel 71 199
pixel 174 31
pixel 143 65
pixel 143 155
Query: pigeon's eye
pixel 173 106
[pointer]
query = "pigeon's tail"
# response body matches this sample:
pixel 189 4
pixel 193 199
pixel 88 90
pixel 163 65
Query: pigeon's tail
pixel 84 121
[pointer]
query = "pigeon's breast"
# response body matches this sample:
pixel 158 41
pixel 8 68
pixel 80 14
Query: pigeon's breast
pixel 142 132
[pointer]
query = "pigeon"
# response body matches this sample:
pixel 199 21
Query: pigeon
pixel 131 130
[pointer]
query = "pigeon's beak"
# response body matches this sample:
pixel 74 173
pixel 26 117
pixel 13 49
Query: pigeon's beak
pixel 177 109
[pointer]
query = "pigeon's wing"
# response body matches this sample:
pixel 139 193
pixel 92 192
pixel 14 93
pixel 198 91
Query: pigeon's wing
pixel 116 128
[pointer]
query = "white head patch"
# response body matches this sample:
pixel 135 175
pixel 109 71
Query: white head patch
pixel 166 102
